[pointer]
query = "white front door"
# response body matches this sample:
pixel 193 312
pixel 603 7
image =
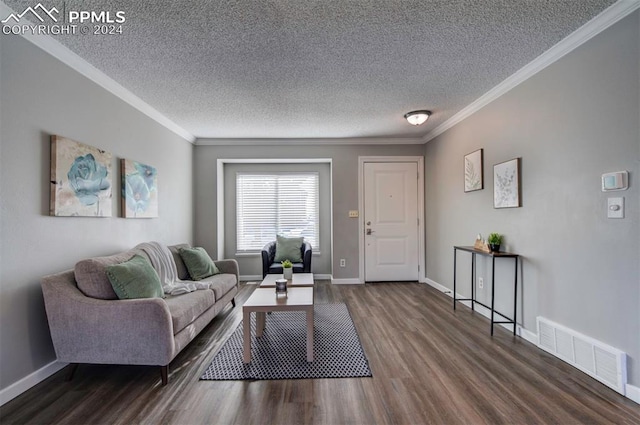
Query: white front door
pixel 391 221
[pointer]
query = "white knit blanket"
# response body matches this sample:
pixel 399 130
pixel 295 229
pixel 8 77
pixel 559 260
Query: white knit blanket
pixel 162 261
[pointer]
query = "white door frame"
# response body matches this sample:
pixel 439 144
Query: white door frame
pixel 419 160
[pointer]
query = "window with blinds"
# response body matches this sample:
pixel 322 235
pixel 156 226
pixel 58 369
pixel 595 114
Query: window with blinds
pixel 276 204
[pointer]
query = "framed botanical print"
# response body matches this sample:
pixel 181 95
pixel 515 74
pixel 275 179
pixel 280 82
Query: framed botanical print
pixel 473 171
pixel 506 184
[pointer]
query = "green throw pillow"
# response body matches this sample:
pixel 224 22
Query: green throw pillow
pixel 198 262
pixel 288 249
pixel 135 278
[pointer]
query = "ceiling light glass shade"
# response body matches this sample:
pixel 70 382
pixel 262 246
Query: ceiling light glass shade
pixel 417 117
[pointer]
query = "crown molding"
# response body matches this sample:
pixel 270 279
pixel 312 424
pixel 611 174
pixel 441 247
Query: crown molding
pixel 310 141
pixel 607 18
pixel 69 58
pixel 604 20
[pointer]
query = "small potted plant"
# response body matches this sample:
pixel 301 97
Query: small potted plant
pixel 494 240
pixel 287 269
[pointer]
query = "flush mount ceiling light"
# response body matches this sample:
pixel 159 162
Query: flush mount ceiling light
pixel 417 117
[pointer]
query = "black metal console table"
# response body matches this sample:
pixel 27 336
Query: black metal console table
pixel 493 256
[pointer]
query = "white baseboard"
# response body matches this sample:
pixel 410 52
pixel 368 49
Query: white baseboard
pixel 322 276
pixel 527 335
pixel 633 393
pixel 487 313
pixel 439 287
pixel 352 281
pixel 29 381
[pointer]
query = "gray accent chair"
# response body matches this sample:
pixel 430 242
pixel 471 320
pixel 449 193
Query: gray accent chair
pixel 89 324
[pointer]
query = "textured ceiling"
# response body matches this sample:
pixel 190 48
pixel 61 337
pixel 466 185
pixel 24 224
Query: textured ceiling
pixel 318 68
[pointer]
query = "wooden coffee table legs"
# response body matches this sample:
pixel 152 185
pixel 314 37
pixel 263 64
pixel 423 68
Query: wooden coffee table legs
pixel 260 325
pixel 261 321
pixel 246 331
pixel 310 334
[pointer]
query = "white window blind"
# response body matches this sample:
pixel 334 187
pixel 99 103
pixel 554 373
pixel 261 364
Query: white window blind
pixel 276 204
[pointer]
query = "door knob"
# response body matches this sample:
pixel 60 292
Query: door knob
pixel 369 231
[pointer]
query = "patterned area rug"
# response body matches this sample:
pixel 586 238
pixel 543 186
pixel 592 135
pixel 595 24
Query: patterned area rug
pixel 281 352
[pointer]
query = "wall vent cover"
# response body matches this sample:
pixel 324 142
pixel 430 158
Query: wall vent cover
pixel 601 361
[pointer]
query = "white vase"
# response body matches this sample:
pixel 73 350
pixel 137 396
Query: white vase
pixel 288 273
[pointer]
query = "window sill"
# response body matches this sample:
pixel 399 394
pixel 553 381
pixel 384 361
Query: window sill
pixel 259 253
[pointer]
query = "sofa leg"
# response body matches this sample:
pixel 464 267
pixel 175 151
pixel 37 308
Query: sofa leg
pixel 72 371
pixel 233 302
pixel 164 374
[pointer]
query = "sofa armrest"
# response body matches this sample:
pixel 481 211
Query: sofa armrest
pixel 306 257
pixel 268 254
pixel 89 330
pixel 265 263
pixel 230 267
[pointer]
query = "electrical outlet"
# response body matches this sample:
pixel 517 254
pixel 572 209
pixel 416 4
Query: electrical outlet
pixel 480 283
pixel 343 262
pixel 353 213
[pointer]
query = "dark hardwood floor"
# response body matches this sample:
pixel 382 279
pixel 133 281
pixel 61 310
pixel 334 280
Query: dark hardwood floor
pixel 429 363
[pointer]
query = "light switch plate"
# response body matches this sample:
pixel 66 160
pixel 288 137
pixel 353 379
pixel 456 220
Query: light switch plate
pixel 615 208
pixel 353 214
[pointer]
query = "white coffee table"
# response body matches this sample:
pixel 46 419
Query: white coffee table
pixel 298 279
pixel 264 300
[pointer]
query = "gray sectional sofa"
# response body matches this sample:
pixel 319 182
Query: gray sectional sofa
pixel 89 324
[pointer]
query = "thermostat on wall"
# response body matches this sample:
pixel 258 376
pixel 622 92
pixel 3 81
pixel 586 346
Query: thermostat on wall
pixel 615 181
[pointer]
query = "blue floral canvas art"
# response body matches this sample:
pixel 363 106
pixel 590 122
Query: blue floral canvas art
pixel 139 190
pixel 80 179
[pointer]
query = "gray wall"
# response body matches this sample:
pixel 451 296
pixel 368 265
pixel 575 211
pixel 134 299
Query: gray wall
pixel 40 96
pixel 570 123
pixel 345 190
pixel 251 264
